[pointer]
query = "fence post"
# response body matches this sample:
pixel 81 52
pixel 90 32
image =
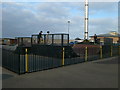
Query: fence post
pixel 86 54
pixel 119 49
pixel 111 51
pixel 19 66
pixel 26 59
pixel 63 56
pixel 101 52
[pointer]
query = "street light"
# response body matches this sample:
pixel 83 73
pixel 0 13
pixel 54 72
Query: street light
pixel 68 26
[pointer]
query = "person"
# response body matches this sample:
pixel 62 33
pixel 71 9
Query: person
pixel 95 38
pixel 47 37
pixel 40 37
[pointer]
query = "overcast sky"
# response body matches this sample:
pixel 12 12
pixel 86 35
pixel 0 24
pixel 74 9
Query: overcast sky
pixel 25 18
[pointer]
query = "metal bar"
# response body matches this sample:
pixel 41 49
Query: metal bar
pixel 21 41
pixel 19 66
pixel 101 56
pixel 62 40
pixel 46 34
pixel 52 39
pixel 111 51
pixel 68 39
pixel 63 56
pixel 26 58
pixel 31 41
pixel 119 50
pixel 86 54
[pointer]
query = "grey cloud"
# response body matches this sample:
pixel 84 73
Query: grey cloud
pixel 20 22
pixel 57 10
pixel 105 6
pixel 25 19
pixel 103 25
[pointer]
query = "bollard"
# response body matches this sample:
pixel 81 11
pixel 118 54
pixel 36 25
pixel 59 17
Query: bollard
pixel 86 54
pixel 101 52
pixel 26 59
pixel 111 51
pixel 63 56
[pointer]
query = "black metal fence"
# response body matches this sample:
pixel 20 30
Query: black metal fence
pixel 13 61
pixel 51 39
pixel 47 39
pixel 42 57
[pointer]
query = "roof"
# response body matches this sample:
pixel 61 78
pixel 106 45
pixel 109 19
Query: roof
pixel 22 37
pixel 6 38
pixel 110 34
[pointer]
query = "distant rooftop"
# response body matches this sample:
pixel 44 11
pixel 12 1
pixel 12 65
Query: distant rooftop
pixel 110 34
pixel 7 38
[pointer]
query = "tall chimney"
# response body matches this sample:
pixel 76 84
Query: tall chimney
pixel 86 21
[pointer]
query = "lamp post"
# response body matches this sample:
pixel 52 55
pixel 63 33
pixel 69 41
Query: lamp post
pixel 68 26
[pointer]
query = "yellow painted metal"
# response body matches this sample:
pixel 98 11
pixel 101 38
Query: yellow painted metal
pixel 26 59
pixel 63 56
pixel 86 53
pixel 101 56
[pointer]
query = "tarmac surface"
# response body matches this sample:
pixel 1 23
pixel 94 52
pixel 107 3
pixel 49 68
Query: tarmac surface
pixel 101 73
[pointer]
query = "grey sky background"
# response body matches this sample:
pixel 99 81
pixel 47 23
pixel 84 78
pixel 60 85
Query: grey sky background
pixel 25 19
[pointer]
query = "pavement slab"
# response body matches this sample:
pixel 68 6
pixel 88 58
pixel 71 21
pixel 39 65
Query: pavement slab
pixel 101 73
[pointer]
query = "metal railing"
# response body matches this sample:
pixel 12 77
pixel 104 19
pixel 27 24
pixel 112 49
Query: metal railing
pixel 51 39
pixel 42 57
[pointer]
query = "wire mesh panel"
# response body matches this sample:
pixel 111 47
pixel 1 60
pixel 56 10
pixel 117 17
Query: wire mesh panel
pixel 57 40
pixel 27 41
pixel 65 40
pixel 24 41
pixel 20 41
pixel 42 39
pixel 49 39
pixel 34 39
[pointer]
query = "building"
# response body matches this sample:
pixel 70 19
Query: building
pixel 111 36
pixel 8 41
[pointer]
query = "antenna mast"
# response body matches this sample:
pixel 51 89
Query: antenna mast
pixel 86 20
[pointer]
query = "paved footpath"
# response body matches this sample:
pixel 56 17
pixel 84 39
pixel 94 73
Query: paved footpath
pixel 95 74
